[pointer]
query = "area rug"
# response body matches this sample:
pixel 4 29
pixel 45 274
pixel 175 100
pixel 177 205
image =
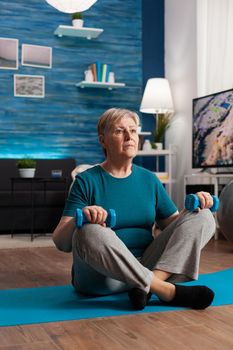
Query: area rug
pixel 62 303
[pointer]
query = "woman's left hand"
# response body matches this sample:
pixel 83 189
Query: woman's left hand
pixel 206 200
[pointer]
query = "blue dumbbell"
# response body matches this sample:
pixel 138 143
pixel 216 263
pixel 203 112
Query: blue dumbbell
pixel 192 202
pixel 80 219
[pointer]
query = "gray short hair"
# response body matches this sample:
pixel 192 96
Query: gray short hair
pixel 112 116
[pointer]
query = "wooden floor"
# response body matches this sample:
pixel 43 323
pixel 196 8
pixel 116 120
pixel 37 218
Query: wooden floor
pixel 189 329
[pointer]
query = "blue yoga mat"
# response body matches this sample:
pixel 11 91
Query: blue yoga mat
pixel 62 303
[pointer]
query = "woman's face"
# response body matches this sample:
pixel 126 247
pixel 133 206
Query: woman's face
pixel 121 140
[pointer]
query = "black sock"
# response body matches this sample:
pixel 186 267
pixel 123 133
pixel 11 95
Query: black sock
pixel 139 298
pixel 196 297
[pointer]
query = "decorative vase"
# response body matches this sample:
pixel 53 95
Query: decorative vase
pixel 29 172
pixel 77 23
pixel 111 78
pixel 146 146
pixel 88 76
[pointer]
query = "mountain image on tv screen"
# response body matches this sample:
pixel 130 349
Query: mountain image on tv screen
pixel 213 130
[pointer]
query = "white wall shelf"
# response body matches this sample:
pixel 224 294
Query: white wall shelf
pixel 97 84
pixel 84 32
pixel 154 152
pixel 144 133
pixel 165 177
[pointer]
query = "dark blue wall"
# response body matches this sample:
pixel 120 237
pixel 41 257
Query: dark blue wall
pixel 152 57
pixel 152 47
pixel 152 39
pixel 63 124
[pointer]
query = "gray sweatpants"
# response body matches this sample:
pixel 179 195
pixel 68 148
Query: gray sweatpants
pixel 102 264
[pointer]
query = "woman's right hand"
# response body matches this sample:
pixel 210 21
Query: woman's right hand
pixel 95 214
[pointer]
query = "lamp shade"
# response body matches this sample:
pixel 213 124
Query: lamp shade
pixel 71 6
pixel 157 97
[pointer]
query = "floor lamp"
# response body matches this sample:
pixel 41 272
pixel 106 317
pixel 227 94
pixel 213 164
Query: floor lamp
pixel 157 100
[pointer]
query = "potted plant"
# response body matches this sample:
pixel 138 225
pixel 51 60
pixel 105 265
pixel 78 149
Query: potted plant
pixel 162 124
pixel 77 20
pixel 27 167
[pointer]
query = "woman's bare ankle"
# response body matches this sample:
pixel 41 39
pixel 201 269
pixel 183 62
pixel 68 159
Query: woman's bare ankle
pixel 164 290
pixel 162 275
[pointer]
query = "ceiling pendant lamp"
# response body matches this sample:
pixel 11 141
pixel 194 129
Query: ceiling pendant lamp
pixel 71 6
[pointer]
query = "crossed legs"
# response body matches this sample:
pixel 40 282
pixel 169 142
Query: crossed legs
pixel 103 264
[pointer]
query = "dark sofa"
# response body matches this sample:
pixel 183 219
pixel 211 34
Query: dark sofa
pixel 15 210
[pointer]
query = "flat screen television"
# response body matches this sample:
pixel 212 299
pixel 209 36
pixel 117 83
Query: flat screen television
pixel 213 130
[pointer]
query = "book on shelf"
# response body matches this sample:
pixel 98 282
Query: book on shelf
pixel 100 71
pixel 107 72
pixel 93 69
pixel 104 71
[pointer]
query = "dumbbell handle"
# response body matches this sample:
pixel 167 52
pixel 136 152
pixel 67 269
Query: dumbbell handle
pixel 192 202
pixel 81 219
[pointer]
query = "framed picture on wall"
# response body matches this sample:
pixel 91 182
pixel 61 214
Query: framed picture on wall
pixel 29 85
pixel 9 53
pixel 36 56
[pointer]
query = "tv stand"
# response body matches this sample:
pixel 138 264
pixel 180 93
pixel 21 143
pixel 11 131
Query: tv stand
pixel 223 172
pixel 218 171
pixel 203 178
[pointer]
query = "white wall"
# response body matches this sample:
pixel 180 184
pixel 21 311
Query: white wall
pixel 180 69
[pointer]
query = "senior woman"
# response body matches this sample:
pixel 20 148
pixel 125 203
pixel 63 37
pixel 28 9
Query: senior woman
pixel 127 257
